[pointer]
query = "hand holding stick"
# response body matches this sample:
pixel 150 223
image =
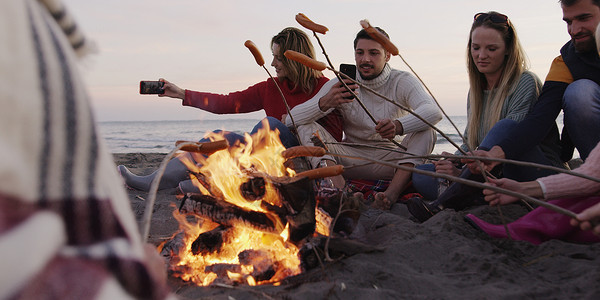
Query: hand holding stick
pixel 320 66
pixel 309 24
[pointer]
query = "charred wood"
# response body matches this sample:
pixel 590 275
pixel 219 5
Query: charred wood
pixel 253 189
pixel 263 262
pixel 228 214
pixel 299 196
pixel 171 248
pixel 221 269
pixel 210 241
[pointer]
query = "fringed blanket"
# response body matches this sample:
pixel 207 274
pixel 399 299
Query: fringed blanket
pixel 66 226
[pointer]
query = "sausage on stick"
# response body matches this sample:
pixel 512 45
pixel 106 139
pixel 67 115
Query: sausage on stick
pixel 309 24
pixel 254 50
pixel 305 60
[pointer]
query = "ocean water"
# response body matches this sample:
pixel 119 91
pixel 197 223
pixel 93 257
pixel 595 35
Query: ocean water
pixel 160 136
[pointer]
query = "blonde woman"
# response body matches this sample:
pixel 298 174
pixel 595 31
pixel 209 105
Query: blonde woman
pixel 500 95
pixel 298 83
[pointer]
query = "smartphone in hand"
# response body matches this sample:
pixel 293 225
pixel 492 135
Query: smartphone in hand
pixel 151 87
pixel 349 70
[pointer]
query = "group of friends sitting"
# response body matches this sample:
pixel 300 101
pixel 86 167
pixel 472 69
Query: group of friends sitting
pixel 67 228
pixel 511 115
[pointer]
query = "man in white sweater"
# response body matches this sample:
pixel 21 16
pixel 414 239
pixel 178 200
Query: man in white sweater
pixel 392 122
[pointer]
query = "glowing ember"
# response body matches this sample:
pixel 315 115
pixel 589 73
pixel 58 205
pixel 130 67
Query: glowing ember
pixel 234 251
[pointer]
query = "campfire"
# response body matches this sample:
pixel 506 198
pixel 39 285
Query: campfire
pixel 255 212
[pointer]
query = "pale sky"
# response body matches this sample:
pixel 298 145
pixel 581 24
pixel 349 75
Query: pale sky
pixel 199 45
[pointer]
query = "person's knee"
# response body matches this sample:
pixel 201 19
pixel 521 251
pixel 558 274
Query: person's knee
pixel 274 122
pixel 426 185
pixel 499 131
pixel 579 93
pixel 420 142
pixel 270 121
pixel 505 124
pixel 424 167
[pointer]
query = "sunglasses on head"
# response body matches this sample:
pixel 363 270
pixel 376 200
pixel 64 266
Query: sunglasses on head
pixel 494 18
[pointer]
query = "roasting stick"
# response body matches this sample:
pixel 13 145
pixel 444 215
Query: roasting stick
pixel 472 183
pixel 205 148
pixel 453 156
pixel 261 62
pixel 314 27
pixel 463 181
pixel 319 151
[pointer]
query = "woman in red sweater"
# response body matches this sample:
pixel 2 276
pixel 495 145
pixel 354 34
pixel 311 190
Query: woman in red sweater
pixel 297 82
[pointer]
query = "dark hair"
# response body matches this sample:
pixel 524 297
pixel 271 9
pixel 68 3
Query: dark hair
pixel 364 35
pixel 568 3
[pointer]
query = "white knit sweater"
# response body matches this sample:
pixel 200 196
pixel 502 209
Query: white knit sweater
pixel 400 86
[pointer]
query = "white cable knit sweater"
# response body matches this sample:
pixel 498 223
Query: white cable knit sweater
pixel 400 86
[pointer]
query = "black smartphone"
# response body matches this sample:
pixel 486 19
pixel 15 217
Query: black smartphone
pixel 151 87
pixel 349 70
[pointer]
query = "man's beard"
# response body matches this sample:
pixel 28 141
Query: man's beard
pixel 365 77
pixel 586 46
pixel 370 77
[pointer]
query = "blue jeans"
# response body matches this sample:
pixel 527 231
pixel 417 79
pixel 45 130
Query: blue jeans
pixel 428 186
pixel 288 139
pixel 581 107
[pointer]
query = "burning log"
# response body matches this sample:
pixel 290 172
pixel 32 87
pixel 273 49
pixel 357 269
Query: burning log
pixel 210 241
pixel 298 204
pixel 222 269
pixel 299 198
pixel 254 188
pixel 169 249
pixel 263 262
pixel 228 214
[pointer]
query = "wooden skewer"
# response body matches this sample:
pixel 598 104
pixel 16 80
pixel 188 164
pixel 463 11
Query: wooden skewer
pixel 472 183
pixel 481 158
pixel 261 62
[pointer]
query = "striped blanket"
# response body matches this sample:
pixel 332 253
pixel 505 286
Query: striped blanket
pixel 66 226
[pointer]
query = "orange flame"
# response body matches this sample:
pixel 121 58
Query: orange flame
pixel 225 171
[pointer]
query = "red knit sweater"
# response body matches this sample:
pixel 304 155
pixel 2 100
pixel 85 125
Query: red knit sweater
pixel 263 95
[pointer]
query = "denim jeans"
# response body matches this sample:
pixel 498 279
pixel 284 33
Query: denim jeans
pixel 581 107
pixel 288 139
pixel 428 186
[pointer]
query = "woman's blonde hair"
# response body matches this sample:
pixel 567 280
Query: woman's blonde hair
pixel 301 76
pixel 515 63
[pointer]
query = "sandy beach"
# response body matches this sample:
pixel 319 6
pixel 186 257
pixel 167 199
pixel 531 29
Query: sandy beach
pixel 443 258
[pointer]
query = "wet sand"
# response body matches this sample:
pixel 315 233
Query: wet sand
pixel 443 258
